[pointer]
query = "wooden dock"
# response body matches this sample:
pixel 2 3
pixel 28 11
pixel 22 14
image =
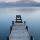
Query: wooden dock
pixel 19 31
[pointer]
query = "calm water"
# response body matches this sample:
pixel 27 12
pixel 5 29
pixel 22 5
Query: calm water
pixel 30 15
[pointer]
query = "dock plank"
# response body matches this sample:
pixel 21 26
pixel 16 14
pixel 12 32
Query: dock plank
pixel 19 32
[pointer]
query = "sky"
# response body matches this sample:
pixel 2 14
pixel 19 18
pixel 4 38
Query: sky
pixel 19 0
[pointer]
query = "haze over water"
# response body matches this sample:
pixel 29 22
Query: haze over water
pixel 30 15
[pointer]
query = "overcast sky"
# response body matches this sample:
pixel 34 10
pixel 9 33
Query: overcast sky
pixel 18 0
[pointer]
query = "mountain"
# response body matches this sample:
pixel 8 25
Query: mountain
pixel 19 4
pixel 29 4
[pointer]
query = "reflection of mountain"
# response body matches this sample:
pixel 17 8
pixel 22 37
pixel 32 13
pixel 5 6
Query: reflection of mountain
pixel 20 4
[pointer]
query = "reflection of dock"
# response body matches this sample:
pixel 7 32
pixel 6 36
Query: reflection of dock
pixel 18 31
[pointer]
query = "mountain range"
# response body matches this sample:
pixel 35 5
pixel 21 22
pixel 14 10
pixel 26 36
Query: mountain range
pixel 19 4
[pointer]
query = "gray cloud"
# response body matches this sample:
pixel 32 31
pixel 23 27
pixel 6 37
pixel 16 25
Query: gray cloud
pixel 20 1
pixel 26 1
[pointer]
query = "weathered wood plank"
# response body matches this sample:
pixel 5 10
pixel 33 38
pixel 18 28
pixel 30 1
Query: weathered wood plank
pixel 19 32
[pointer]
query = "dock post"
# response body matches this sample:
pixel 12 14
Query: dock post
pixel 12 23
pixel 31 38
pixel 7 37
pixel 10 28
pixel 27 28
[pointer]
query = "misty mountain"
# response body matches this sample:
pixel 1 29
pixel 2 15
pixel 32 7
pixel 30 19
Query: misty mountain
pixel 19 4
pixel 30 4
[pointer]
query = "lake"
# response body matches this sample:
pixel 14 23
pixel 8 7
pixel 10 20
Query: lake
pixel 29 14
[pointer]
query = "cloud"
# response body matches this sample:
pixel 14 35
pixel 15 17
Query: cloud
pixel 20 1
pixel 8 0
pixel 26 1
pixel 37 0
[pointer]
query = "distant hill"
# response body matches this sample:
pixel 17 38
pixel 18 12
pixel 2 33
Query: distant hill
pixel 18 4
